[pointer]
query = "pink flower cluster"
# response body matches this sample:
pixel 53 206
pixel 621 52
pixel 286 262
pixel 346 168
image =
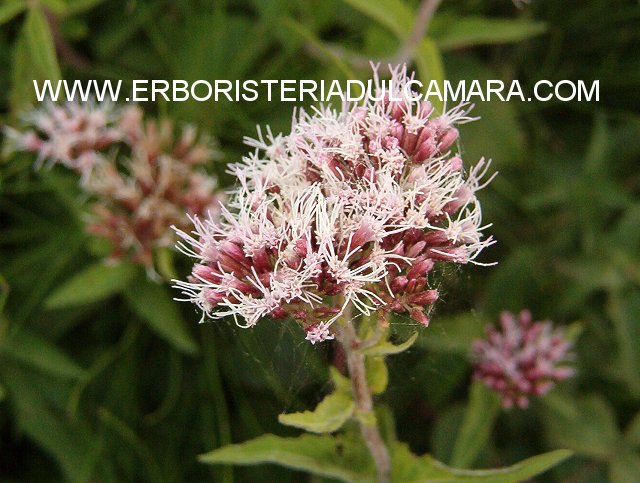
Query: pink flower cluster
pixel 522 358
pixel 352 208
pixel 142 176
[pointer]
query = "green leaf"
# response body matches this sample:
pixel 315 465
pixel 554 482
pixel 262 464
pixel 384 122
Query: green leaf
pixel 4 294
pixel 625 466
pixel 39 353
pixel 94 284
pixel 586 425
pixel 3 393
pixel 153 304
pixel 430 67
pixel 341 382
pixel 453 334
pixel 499 133
pixel 346 458
pixel 342 457
pixel 479 418
pixel 455 32
pixel 393 14
pixel 40 43
pixel 408 467
pixel 377 374
pixel 329 416
pixel 386 348
pixel 10 9
pixel 71 444
pixel 129 437
pixel 624 310
pixel 22 73
pixel 56 6
pixel 78 6
pixel 632 433
pixel 301 30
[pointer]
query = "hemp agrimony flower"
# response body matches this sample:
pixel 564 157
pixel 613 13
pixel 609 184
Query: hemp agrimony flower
pixel 142 176
pixel 353 208
pixel 522 358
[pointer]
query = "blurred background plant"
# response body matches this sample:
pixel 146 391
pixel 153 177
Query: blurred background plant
pixel 103 377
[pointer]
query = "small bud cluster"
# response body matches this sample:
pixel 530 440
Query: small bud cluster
pixel 522 358
pixel 352 208
pixel 142 176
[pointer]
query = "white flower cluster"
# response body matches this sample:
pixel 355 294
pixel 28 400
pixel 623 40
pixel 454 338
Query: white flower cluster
pixel 353 207
pixel 142 175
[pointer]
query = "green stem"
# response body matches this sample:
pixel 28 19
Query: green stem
pixel 364 402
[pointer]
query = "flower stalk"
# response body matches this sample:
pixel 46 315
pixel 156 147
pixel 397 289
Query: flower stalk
pixel 364 402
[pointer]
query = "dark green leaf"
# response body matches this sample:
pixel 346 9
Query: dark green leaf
pixel 453 334
pixel 94 284
pixel 632 433
pixel 479 418
pixel 586 426
pixel 37 352
pixel 624 309
pixel 154 305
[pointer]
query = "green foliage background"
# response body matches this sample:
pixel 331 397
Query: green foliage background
pixel 109 380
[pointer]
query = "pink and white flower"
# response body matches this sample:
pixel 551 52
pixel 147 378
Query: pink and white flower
pixel 522 358
pixel 142 176
pixel 352 208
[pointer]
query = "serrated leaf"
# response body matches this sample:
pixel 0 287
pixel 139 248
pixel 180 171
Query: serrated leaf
pixel 94 284
pixel 40 354
pixel 153 304
pixel 387 348
pixel 346 458
pixel 10 9
pixel 41 46
pixel 408 467
pixel 455 32
pixel 342 457
pixel 328 416
pixel 377 374
pixel 479 417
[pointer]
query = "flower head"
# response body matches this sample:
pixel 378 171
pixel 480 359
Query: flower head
pixel 142 176
pixel 522 358
pixel 71 134
pixel 352 208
